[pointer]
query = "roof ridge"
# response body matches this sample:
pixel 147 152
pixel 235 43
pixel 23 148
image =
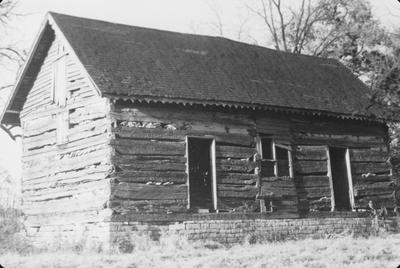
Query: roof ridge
pixel 197 35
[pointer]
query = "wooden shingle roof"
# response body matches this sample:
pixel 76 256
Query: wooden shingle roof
pixel 144 64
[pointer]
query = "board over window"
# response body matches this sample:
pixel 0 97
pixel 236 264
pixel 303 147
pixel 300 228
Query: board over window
pixel 58 89
pixel 276 158
pixel 201 174
pixel 339 173
pixel 62 119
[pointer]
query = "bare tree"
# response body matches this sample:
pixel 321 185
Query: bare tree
pixel 7 11
pixel 312 28
pixel 8 52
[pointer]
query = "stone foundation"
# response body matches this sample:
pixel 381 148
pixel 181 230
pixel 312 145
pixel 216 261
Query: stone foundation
pixel 123 235
pixel 253 230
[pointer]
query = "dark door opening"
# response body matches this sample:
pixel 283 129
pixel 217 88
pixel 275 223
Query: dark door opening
pixel 200 173
pixel 340 180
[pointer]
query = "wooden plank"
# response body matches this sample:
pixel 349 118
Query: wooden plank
pixel 235 165
pixel 277 192
pixel 236 191
pixel 330 127
pixel 180 135
pixel 338 140
pixel 122 206
pixel 71 177
pixel 360 179
pixel 319 204
pixel 174 114
pixel 312 181
pixel 368 155
pixel 371 167
pixel 137 147
pixel 310 153
pixel 161 177
pixel 139 191
pixel 378 188
pixel 310 167
pixel 378 201
pixel 79 161
pixel 237 204
pixel 237 178
pixel 164 163
pixel 235 152
pixel 317 192
pixel 143 133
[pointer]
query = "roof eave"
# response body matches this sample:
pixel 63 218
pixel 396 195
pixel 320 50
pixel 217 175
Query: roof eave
pixel 48 21
pixel 254 106
pixel 23 70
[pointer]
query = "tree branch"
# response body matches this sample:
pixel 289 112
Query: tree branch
pixel 7 130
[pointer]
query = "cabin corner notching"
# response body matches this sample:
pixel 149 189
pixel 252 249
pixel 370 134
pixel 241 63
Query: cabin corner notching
pixel 107 139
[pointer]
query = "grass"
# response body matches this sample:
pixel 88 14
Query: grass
pixel 345 251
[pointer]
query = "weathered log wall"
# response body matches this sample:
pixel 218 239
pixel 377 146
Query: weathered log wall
pixel 149 155
pixel 368 149
pixel 64 183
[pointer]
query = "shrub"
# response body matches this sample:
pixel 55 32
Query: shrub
pixel 11 238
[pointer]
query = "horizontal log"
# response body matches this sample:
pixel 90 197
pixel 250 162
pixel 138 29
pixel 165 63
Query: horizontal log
pixel 137 147
pixel 337 140
pixel 139 191
pixel 191 117
pixel 84 216
pixel 151 176
pixel 144 133
pixel 316 192
pixel 312 181
pixel 67 163
pixel 378 188
pixel 279 182
pixel 336 127
pixel 235 165
pixel 47 110
pixel 236 191
pixel 378 201
pixel 310 167
pixel 122 206
pixel 371 167
pixel 319 204
pixel 236 178
pixel 360 179
pixel 368 155
pixel 180 135
pixel 277 192
pixel 86 131
pixel 236 204
pixel 90 173
pixel 166 163
pixel 235 152
pixel 67 192
pixel 310 153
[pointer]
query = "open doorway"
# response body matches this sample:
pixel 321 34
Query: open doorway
pixel 340 178
pixel 201 174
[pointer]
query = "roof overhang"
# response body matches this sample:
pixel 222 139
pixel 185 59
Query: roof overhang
pixel 14 104
pixel 8 114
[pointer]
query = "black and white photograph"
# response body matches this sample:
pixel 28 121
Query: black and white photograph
pixel 199 133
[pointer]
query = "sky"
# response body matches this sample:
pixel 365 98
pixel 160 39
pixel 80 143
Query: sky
pixel 190 16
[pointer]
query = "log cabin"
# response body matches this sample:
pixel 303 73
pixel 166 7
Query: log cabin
pixel 123 123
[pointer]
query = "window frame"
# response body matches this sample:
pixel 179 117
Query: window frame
pixel 259 144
